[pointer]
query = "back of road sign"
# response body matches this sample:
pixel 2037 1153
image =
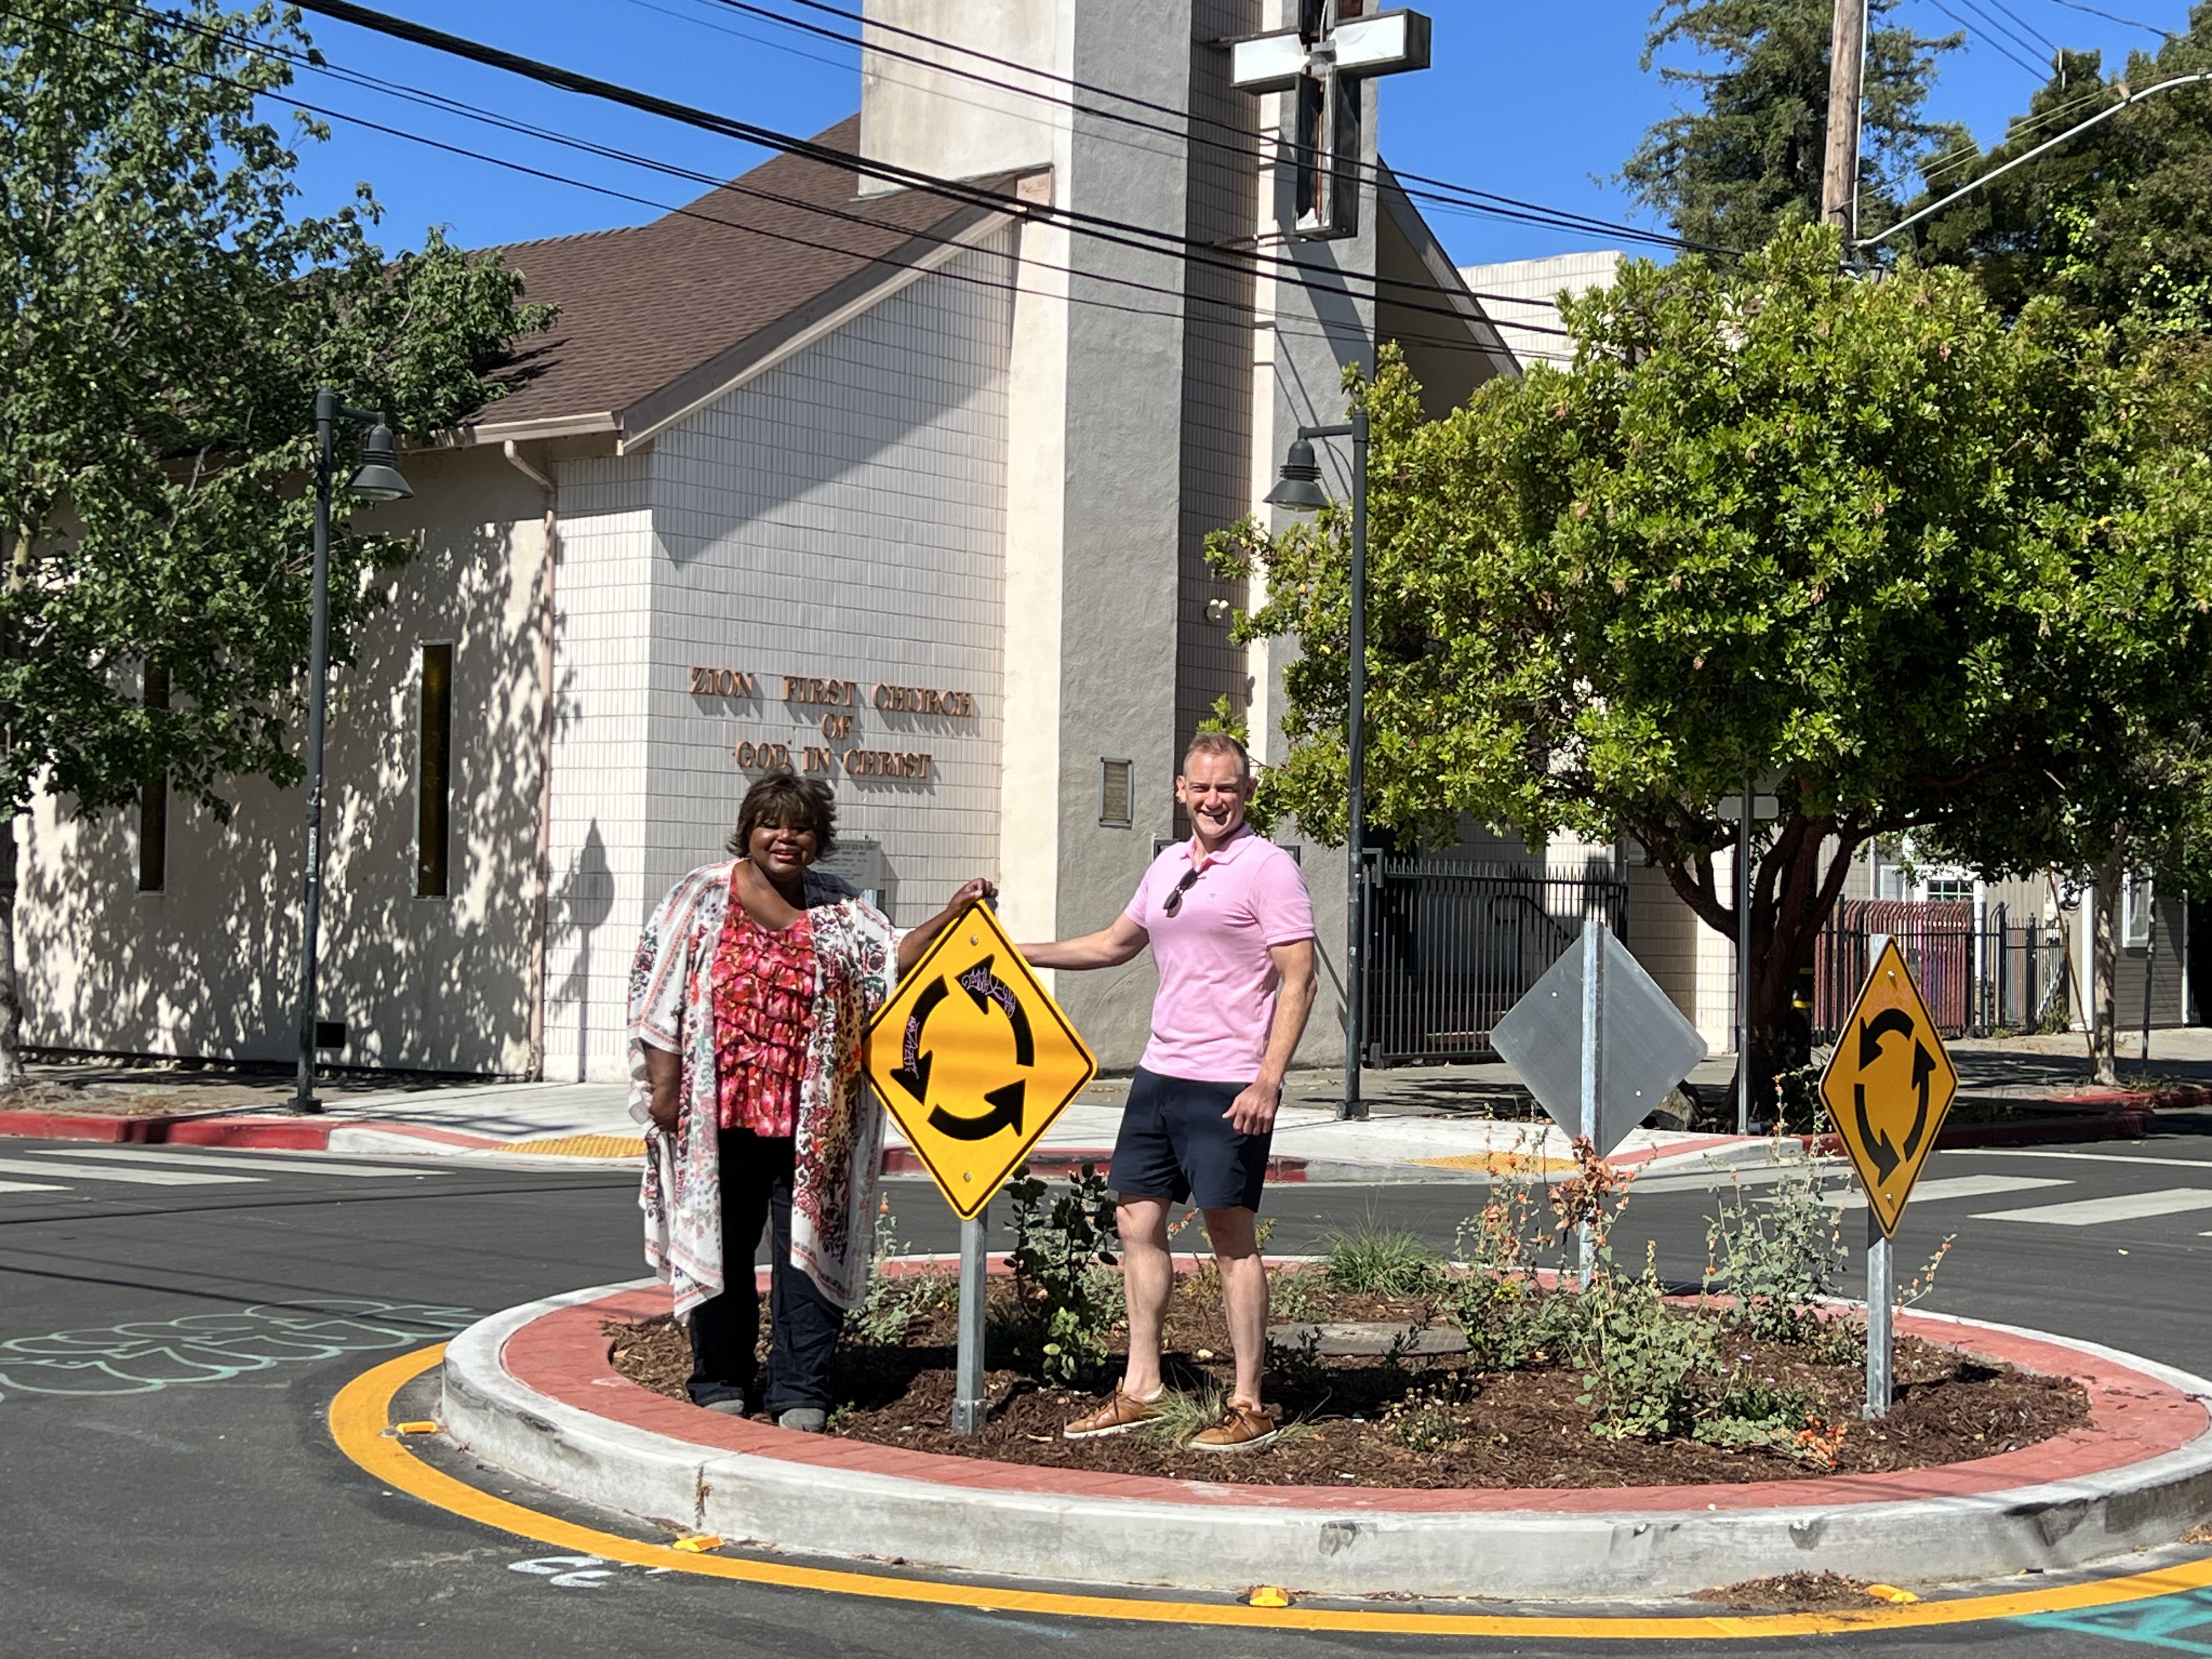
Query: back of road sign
pixel 974 1060
pixel 1645 1046
pixel 1888 1086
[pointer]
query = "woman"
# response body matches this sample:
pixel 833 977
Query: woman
pixel 753 984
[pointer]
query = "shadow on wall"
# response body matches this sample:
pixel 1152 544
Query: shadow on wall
pixel 208 966
pixel 582 904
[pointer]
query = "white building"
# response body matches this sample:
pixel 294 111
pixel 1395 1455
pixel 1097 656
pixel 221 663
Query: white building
pixel 910 489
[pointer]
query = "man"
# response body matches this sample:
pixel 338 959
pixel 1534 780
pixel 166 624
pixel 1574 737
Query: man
pixel 1231 933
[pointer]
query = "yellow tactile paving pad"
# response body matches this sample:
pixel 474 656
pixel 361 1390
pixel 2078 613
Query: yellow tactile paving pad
pixel 583 1146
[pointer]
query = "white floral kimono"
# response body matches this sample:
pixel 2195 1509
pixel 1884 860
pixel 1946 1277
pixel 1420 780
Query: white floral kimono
pixel 840 1141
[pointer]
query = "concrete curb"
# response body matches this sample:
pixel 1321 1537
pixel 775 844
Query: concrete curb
pixel 818 1496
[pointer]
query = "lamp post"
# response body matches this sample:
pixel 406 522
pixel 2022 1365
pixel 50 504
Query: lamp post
pixel 1300 489
pixel 377 479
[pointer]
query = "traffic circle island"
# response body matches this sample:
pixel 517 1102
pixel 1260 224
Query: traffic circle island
pixel 534 1391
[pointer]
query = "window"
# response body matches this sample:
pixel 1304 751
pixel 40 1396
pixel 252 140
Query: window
pixel 2136 899
pixel 1116 790
pixel 433 774
pixel 154 801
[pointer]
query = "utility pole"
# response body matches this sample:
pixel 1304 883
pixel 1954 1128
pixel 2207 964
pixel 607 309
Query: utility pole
pixel 1839 177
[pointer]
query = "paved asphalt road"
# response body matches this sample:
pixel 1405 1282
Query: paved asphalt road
pixel 173 1325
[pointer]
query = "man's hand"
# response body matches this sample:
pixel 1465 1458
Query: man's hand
pixel 1253 1112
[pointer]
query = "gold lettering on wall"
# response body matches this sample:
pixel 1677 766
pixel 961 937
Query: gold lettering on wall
pixel 800 687
pixel 722 682
pixel 923 700
pixel 766 755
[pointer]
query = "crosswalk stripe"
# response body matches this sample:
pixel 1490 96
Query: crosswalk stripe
pixel 31 1187
pixel 2081 1157
pixel 2095 1211
pixel 241 1162
pixel 133 1177
pixel 1934 1191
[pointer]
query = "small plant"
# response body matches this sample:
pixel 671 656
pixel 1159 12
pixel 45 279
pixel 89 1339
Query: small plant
pixel 1799 1109
pixel 1382 1263
pixel 1640 1353
pixel 1293 1293
pixel 1063 1259
pixel 1781 1258
pixel 1180 1414
pixel 1595 1195
pixel 1502 1304
pixel 895 1300
pixel 1755 1417
pixel 1432 1420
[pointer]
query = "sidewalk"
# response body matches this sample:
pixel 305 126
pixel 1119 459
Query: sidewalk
pixel 1426 1123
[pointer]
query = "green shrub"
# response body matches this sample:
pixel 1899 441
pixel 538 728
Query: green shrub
pixel 1063 1260
pixel 894 1301
pixel 1781 1257
pixel 1640 1354
pixel 1381 1262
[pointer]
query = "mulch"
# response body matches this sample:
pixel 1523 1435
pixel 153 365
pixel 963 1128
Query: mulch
pixel 1792 1592
pixel 1518 1428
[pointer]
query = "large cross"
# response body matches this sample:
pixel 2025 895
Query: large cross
pixel 1337 45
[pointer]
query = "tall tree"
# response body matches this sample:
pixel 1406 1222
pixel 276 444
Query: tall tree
pixel 1868 538
pixel 2117 221
pixel 1745 160
pixel 167 317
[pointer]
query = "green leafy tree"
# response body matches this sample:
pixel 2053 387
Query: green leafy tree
pixel 1867 537
pixel 168 317
pixel 1746 160
pixel 2117 221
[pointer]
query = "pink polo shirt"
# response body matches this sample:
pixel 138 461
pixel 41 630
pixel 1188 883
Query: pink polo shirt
pixel 1217 995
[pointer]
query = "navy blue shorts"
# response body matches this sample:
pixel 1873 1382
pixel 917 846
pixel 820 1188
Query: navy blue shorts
pixel 1176 1143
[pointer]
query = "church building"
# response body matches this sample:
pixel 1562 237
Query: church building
pixel 905 488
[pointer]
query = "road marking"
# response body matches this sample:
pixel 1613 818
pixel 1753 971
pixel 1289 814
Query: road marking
pixel 241 1161
pixel 2081 1158
pixel 2096 1211
pixel 359 1417
pixel 31 1187
pixel 129 1178
pixel 1930 1192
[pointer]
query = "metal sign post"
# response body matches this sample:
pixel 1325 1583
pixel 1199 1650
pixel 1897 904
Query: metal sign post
pixel 1743 963
pixel 1593 1020
pixel 1882 1305
pixel 968 1405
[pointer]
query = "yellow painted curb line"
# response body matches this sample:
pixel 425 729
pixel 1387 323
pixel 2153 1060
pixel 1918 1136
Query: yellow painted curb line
pixel 361 1419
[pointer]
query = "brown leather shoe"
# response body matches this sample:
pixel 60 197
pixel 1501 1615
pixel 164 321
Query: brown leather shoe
pixel 1243 1428
pixel 1117 1416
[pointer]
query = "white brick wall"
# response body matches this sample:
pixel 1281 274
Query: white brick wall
pixel 841 516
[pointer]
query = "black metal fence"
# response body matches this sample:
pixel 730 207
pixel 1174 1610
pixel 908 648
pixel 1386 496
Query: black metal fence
pixel 1454 945
pixel 1977 973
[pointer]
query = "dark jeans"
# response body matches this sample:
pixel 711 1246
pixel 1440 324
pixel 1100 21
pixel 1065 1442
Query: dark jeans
pixel 804 1323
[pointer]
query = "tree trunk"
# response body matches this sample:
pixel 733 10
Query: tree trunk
pixel 12 997
pixel 2104 1016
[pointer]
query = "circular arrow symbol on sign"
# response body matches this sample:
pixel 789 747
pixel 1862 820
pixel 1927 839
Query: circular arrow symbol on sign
pixel 986 987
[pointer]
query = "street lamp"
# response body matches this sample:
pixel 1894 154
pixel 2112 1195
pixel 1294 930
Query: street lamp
pixel 1299 490
pixel 377 479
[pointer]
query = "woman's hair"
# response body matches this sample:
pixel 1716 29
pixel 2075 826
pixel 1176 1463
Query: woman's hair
pixel 783 800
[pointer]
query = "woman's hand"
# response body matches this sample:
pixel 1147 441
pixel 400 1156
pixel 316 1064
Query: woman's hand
pixel 911 947
pixel 664 1071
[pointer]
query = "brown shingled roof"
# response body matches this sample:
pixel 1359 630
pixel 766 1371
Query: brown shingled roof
pixel 655 316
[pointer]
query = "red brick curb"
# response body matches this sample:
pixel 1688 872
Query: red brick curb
pixel 2133 1416
pixel 268 1133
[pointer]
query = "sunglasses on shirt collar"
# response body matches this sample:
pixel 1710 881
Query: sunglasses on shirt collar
pixel 1173 901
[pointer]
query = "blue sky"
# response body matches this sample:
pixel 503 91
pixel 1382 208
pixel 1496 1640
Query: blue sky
pixel 1536 101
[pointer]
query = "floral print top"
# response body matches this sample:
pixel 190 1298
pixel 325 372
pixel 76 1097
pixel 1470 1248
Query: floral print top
pixel 764 999
pixel 838 1139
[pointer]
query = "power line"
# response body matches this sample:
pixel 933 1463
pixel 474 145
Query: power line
pixel 1099 226
pixel 2114 17
pixel 1990 40
pixel 1438 190
pixel 314 62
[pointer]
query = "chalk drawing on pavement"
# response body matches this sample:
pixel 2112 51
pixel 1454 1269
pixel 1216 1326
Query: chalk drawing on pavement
pixel 2175 1624
pixel 146 1355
